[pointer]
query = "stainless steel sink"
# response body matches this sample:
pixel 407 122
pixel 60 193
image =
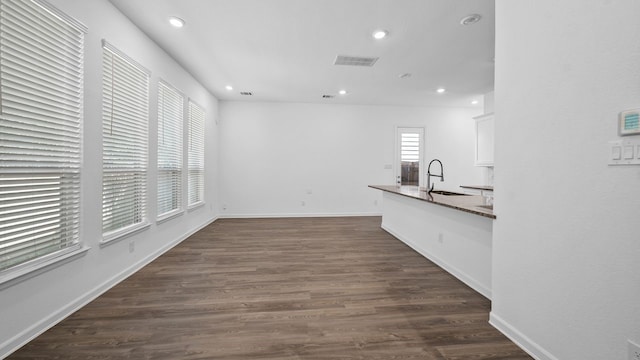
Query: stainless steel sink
pixel 448 193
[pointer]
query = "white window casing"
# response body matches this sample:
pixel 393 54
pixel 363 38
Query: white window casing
pixel 41 110
pixel 125 129
pixel 196 155
pixel 170 139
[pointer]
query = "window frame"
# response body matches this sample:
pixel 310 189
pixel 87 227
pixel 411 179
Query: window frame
pixel 39 177
pixel 177 129
pixel 198 140
pixel 140 138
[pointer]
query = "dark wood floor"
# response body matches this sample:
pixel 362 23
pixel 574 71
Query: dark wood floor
pixel 319 288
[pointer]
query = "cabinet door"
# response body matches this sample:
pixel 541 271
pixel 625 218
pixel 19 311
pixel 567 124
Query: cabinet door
pixel 484 140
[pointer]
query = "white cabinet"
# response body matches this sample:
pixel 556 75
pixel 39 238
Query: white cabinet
pixel 484 139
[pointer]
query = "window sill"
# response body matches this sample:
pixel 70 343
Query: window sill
pixel 37 267
pixel 168 216
pixel 195 206
pixel 117 235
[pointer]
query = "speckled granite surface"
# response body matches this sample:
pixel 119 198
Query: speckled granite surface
pixel 468 203
pixel 478 187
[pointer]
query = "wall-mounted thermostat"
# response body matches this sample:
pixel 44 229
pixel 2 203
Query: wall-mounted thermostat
pixel 630 122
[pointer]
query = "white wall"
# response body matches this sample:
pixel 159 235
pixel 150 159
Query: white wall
pixel 566 260
pixel 272 153
pixel 29 307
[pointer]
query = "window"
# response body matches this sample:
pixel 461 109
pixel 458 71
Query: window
pixel 170 115
pixel 196 154
pixel 125 114
pixel 41 84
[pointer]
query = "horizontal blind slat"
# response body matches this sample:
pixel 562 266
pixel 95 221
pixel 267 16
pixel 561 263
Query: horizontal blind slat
pixel 125 106
pixel 41 83
pixel 195 174
pixel 170 127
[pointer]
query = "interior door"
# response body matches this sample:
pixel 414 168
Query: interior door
pixel 409 156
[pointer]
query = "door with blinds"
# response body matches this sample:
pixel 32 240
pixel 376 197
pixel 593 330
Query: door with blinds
pixel 409 156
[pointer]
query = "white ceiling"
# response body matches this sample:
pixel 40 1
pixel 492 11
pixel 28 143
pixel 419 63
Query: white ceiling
pixel 283 50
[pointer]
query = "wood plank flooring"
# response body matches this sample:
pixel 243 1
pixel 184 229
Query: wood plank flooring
pixel 304 288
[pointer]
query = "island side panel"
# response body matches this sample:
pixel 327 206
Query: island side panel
pixel 457 241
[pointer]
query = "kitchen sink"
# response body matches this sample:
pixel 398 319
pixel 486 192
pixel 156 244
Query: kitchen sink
pixel 448 193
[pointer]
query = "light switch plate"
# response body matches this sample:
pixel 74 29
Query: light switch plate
pixel 628 152
pixel 624 151
pixel 616 152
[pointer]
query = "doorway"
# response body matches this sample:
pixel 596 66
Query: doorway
pixel 409 156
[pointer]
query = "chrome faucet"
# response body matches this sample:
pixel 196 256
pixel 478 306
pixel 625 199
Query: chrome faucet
pixel 429 175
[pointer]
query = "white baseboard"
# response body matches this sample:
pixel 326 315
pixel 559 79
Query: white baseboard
pixel 21 339
pixel 460 275
pixel 294 215
pixel 524 342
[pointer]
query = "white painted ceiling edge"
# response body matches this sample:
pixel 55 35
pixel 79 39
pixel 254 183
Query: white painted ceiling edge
pixel 284 50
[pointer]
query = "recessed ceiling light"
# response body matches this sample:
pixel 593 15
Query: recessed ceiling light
pixel 229 87
pixel 342 92
pixel 470 19
pixel 380 34
pixel 474 102
pixel 176 22
pixel 440 90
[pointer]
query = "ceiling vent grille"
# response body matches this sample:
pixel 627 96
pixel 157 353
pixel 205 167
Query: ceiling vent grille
pixel 355 60
pixel 246 93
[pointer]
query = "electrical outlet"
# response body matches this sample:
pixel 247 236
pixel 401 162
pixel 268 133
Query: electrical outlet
pixel 440 238
pixel 634 350
pixel 302 203
pixel 375 202
pixel 132 247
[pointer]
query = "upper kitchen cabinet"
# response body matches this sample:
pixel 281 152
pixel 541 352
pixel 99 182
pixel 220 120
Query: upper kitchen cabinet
pixel 484 139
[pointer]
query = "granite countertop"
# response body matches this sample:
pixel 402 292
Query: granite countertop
pixel 478 187
pixel 468 203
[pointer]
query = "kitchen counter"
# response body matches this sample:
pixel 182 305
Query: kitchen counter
pixel 478 187
pixel 453 231
pixel 468 203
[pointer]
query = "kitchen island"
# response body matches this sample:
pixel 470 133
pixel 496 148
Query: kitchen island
pixel 453 231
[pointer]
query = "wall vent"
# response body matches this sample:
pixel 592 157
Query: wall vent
pixel 328 96
pixel 355 60
pixel 246 93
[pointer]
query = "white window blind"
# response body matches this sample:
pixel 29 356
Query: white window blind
pixel 196 154
pixel 41 84
pixel 125 114
pixel 170 116
pixel 410 147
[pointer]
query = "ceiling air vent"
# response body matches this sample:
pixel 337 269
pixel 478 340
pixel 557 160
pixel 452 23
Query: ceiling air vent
pixel 246 93
pixel 328 96
pixel 355 60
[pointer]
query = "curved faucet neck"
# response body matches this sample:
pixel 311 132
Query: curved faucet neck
pixel 429 175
